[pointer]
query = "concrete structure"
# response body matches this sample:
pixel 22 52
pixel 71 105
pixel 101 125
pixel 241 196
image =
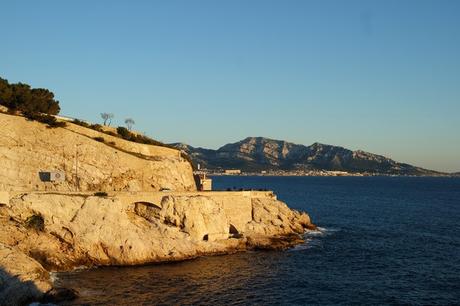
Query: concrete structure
pixel 203 182
pixel 206 184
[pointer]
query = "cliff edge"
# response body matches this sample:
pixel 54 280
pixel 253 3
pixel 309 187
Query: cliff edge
pixel 120 203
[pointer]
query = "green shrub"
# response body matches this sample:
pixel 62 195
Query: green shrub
pixel 127 135
pixel 80 122
pixel 124 133
pixel 96 127
pixel 36 222
pixel 49 120
pixel 100 139
pixel 111 133
pixel 55 124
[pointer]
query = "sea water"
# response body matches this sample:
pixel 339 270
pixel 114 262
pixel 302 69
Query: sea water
pixel 381 240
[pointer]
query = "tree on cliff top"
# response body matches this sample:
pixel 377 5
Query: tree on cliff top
pixel 107 117
pixel 129 123
pixel 21 97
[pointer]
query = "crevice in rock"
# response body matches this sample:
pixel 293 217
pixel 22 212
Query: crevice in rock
pixel 81 207
pixel 147 210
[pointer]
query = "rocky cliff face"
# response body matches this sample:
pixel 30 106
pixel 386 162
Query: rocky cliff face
pixel 80 229
pixel 27 148
pixel 258 153
pixel 54 226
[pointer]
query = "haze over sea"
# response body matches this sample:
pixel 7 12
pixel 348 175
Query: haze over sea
pixel 383 240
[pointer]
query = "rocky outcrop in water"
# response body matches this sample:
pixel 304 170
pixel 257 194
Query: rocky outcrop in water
pixel 61 231
pixel 121 203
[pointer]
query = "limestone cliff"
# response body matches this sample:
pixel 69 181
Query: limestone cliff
pixel 132 228
pixel 27 148
pixel 150 210
pixel 82 229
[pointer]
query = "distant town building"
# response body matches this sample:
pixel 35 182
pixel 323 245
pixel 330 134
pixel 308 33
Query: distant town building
pixel 232 171
pixel 337 173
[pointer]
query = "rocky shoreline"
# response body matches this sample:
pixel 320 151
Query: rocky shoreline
pixel 45 232
pixel 118 203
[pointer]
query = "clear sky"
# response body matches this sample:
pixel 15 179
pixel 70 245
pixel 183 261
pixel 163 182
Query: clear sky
pixel 382 76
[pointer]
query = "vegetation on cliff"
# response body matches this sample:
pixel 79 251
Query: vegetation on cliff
pixel 21 97
pixel 37 104
pixel 126 134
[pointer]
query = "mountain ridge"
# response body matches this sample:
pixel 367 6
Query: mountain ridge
pixel 254 154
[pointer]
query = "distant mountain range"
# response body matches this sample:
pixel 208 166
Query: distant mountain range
pixel 254 154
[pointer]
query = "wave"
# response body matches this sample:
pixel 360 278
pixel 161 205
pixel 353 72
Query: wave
pixel 320 231
pixel 312 238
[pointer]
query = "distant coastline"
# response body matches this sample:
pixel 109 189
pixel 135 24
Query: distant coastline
pixel 260 155
pixel 323 173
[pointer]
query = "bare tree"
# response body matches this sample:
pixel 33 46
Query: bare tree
pixel 129 123
pixel 107 117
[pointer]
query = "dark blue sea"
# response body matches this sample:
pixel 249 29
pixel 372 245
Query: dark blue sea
pixel 383 240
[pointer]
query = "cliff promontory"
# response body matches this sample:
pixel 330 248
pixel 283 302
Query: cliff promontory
pixel 120 203
pixel 54 231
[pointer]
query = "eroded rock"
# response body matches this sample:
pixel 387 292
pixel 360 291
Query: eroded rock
pixel 82 230
pixel 22 279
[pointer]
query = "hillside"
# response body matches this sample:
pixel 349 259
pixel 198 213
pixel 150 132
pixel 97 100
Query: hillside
pixel 58 226
pixel 29 147
pixel 116 198
pixel 259 153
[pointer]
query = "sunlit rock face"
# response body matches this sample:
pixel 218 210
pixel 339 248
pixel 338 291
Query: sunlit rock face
pixel 28 148
pixel 91 230
pixel 70 231
pixel 120 203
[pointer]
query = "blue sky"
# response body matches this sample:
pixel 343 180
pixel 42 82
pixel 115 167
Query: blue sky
pixel 382 76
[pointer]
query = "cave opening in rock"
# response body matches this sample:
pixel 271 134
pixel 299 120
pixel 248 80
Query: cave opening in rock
pixel 206 237
pixel 232 230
